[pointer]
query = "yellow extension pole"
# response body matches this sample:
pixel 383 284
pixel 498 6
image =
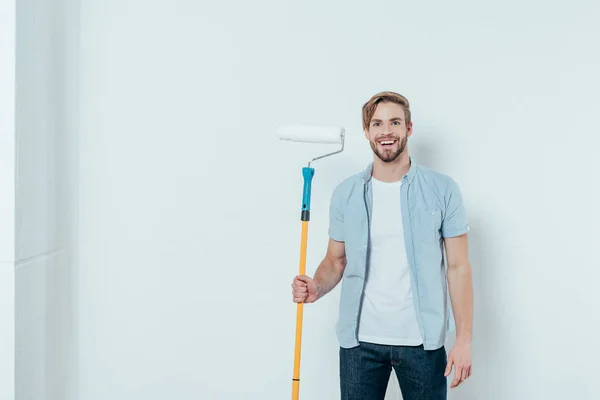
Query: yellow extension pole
pixel 307 173
pixel 307 134
pixel 299 315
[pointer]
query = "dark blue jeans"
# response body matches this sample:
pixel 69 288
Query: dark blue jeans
pixel 365 372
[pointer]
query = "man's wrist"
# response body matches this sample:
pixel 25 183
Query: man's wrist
pixel 319 290
pixel 463 340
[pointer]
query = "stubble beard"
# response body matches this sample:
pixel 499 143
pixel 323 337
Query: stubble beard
pixel 389 156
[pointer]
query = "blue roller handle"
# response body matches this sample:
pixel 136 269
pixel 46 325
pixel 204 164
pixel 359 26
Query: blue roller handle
pixel 308 174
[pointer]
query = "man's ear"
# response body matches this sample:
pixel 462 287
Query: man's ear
pixel 409 129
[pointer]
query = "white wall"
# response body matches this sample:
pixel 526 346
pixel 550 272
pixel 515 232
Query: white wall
pixel 190 208
pixel 7 199
pixel 46 115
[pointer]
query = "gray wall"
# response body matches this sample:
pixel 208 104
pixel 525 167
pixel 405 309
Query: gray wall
pixel 7 199
pixel 46 199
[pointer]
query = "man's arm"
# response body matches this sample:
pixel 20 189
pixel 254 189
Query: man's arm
pixel 460 286
pixel 327 276
pixel 330 271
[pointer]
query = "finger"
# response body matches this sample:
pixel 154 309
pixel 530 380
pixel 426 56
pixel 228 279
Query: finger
pixel 457 376
pixel 456 380
pixel 299 294
pixel 461 375
pixel 300 288
pixel 299 284
pixel 299 299
pixel 301 279
pixel 448 367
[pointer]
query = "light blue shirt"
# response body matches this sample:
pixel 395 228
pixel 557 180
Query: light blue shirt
pixel 432 209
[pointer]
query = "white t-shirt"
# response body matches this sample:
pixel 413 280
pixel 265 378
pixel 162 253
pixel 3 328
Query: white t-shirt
pixel 388 314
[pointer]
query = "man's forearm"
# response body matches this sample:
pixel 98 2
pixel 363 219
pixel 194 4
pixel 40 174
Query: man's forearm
pixel 460 284
pixel 328 275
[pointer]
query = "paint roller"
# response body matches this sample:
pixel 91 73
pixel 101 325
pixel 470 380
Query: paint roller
pixel 320 134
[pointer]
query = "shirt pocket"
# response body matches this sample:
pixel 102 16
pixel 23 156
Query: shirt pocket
pixel 427 227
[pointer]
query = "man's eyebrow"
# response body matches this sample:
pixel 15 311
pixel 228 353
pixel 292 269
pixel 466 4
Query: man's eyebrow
pixel 392 119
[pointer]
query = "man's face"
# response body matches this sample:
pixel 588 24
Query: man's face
pixel 387 132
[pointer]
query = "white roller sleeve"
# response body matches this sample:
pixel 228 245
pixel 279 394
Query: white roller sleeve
pixel 311 133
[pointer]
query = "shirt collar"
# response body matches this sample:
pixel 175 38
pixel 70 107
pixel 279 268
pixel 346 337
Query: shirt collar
pixel 412 170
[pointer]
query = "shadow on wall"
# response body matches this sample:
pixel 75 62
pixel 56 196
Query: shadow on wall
pixel 486 332
pixel 424 153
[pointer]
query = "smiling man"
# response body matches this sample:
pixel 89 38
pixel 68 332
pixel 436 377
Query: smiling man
pixel 389 227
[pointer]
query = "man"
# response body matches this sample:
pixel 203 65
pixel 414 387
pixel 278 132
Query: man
pixel 388 229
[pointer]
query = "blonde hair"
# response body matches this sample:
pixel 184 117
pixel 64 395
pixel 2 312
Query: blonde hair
pixel 369 107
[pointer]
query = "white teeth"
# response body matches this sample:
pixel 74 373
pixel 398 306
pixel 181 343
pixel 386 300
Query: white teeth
pixel 387 142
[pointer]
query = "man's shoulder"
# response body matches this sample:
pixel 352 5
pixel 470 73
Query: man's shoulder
pixel 347 186
pixel 435 178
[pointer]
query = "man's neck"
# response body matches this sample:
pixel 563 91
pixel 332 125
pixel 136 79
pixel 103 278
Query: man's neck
pixel 391 171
